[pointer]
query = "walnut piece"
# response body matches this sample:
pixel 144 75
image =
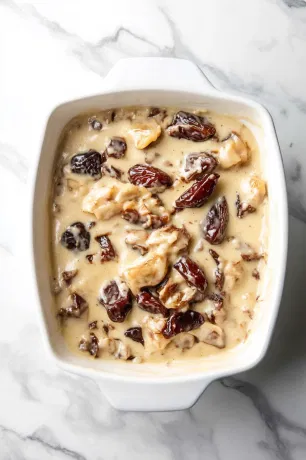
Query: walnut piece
pixel 143 134
pixel 253 191
pixel 233 151
pixel 210 334
pixel 149 270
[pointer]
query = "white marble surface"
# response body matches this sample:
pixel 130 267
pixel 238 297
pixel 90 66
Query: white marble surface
pixel 53 50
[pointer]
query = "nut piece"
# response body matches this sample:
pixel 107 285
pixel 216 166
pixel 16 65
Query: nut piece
pixel 137 240
pixel 253 191
pixel 210 334
pixel 154 339
pixel 213 310
pixel 107 201
pixel 177 295
pixel 233 272
pixel 144 134
pixel 169 239
pixel 122 351
pixel 233 151
pixel 149 271
pixel 185 341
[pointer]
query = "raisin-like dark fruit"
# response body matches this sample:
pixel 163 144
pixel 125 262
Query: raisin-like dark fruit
pixel 135 333
pixel 243 208
pixel 198 193
pixel 76 309
pixel 148 302
pixel 87 163
pixel 192 273
pixel 219 275
pixel 89 258
pixel 197 164
pixel 154 111
pixel 217 300
pixel 91 345
pixel 95 124
pixel 116 298
pixel 192 127
pixel 148 176
pixel 76 237
pixel 69 275
pixel 116 147
pixel 93 325
pixel 256 274
pixel 215 224
pixel 111 171
pixel 182 322
pixel 108 252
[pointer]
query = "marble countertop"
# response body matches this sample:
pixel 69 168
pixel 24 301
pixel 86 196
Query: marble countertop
pixel 53 50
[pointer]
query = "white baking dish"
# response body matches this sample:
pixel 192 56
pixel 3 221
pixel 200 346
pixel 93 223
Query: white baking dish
pixel 179 83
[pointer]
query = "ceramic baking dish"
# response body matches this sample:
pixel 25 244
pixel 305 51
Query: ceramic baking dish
pixel 178 83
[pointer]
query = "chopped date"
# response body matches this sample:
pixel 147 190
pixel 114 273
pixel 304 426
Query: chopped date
pixel 243 208
pixel 150 303
pixel 87 163
pixel 111 171
pixel 135 333
pixel 76 309
pixel 116 147
pixel 108 252
pixel 91 345
pixel 182 322
pixel 149 176
pixel 69 275
pixel 116 298
pixel 76 237
pixel 197 164
pixel 215 224
pixel 95 124
pixel 198 193
pixel 192 273
pixel 219 275
pixel 93 325
pixel 147 221
pixel 192 127
pixel 89 258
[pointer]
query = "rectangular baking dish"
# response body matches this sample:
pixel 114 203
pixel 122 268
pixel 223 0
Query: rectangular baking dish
pixel 177 83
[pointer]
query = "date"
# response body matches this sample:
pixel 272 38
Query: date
pixel 116 297
pixel 192 273
pixel 148 302
pixel 197 164
pixel 87 163
pixel 116 147
pixel 108 252
pixel 192 127
pixel 135 333
pixel 182 322
pixel 215 224
pixel 149 176
pixel 198 193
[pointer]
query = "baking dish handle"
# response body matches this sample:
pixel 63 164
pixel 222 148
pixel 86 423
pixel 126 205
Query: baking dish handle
pixel 147 397
pixel 156 73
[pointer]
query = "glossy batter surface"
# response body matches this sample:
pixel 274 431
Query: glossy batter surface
pixel 137 274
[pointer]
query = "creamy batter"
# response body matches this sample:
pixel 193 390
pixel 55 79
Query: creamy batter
pixel 121 280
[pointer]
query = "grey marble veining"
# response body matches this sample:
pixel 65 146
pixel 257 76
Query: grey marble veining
pixel 52 51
